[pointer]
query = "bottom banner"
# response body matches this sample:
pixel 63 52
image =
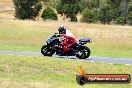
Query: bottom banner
pixel 103 78
pixel 83 78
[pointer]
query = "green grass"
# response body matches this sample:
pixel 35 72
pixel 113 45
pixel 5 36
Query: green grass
pixel 20 48
pixel 47 72
pixel 108 41
pixel 113 53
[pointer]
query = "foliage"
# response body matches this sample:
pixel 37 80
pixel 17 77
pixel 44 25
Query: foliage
pixel 105 14
pixel 130 7
pixel 115 7
pixel 73 17
pixel 49 13
pixel 90 16
pixel 48 3
pixel 27 9
pixel 97 11
pixel 114 3
pixel 93 11
pixel 125 19
pixel 130 13
pixel 94 4
pixel 70 8
pixel 105 11
pixel 130 18
pixel 120 20
pixel 91 4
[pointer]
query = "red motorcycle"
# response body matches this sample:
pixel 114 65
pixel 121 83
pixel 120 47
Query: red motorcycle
pixel 52 46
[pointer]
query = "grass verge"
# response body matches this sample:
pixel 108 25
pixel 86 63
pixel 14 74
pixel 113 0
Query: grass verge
pixel 48 72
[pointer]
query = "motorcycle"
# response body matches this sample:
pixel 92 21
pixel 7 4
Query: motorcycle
pixel 52 46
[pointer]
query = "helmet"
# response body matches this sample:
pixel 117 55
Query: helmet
pixel 62 29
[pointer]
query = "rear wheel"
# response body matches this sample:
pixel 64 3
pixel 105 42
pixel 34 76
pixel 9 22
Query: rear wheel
pixel 83 52
pixel 46 51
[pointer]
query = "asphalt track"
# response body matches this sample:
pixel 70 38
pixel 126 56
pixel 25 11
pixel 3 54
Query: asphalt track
pixel 91 58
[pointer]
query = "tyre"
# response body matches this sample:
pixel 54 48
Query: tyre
pixel 46 51
pixel 83 52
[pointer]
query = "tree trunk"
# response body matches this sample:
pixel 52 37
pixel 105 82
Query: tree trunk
pixel 124 9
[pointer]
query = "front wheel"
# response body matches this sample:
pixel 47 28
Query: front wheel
pixel 83 52
pixel 46 51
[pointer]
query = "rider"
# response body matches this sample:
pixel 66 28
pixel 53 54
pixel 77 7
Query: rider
pixel 69 38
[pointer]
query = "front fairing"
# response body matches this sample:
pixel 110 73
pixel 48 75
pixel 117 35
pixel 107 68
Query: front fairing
pixel 51 39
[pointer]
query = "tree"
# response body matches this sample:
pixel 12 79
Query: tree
pixel 49 13
pixel 124 9
pixel 69 8
pixel 49 3
pixel 120 20
pixel 93 4
pixel 90 16
pixel 115 9
pixel 130 13
pixel 105 14
pixel 27 9
pixel 115 3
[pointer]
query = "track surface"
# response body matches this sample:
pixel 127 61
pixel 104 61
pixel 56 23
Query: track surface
pixel 91 58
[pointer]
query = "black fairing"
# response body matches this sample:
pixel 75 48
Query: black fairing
pixel 52 40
